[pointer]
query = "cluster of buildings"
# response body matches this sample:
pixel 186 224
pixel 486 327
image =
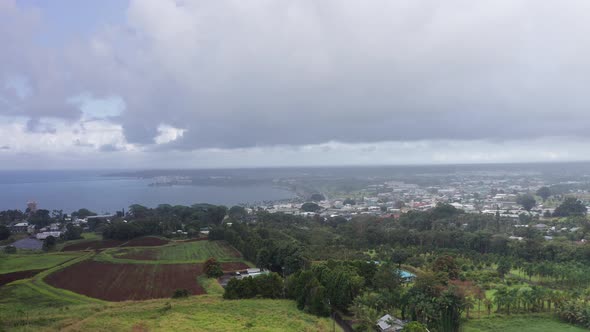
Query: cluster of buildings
pixel 54 229
pixel 474 193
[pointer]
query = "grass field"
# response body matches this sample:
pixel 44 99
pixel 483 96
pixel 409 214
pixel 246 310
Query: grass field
pixel 199 251
pixel 174 253
pixel 87 236
pixel 22 262
pixel 519 324
pixel 33 305
pixel 24 307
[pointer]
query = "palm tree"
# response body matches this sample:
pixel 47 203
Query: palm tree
pixel 528 297
pixel 511 299
pixel 586 295
pixel 500 297
pixel 488 303
pixel 469 304
pixel 480 295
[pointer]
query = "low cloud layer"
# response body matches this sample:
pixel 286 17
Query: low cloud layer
pixel 236 76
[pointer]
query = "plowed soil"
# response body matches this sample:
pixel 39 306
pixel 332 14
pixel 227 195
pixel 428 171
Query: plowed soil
pixel 92 245
pixel 122 282
pixel 10 277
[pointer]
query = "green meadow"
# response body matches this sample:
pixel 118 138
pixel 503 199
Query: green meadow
pixel 33 261
pixel 176 252
pixel 519 324
pixel 25 307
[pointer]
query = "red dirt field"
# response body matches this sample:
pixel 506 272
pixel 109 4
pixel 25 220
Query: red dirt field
pixel 234 266
pixel 10 277
pixel 122 282
pixel 92 245
pixel 148 241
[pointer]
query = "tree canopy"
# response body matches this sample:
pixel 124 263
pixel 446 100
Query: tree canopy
pixel 544 192
pixel 4 232
pixel 310 207
pixel 527 201
pixel 570 206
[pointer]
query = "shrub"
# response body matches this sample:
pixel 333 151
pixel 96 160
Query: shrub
pixel 10 250
pixel 180 293
pixel 49 243
pixel 265 286
pixel 4 232
pixel 213 268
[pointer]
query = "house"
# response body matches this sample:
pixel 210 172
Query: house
pixel 204 231
pixel 389 323
pixel 44 235
pixel 251 272
pixel 541 226
pixel 255 272
pixel 21 227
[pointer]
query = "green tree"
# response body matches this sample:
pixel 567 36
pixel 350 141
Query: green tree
pixel 570 206
pixel 503 268
pixel 40 218
pixel 4 232
pixel 263 258
pixel 212 268
pixel 399 256
pixel 527 201
pixel 349 201
pixel 317 197
pixel 544 193
pixel 448 265
pixel 10 250
pixel 451 304
pixel 180 293
pixel 72 232
pixel 414 327
pixel 366 312
pixel 269 286
pixel 386 279
pixel 237 212
pixel 83 213
pixel 310 207
pixel 121 231
pixel 49 243
pixel 139 211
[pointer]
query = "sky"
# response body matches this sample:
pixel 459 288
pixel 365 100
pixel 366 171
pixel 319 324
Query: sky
pixel 202 84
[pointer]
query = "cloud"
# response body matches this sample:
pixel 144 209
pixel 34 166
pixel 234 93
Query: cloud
pixel 227 75
pixel 109 148
pixel 56 136
pixel 34 125
pixel 98 108
pixel 167 134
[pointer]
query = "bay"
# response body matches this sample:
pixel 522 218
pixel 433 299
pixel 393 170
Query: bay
pixel 72 190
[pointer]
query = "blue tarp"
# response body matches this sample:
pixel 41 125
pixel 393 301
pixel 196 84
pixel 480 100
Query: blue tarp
pixel 406 275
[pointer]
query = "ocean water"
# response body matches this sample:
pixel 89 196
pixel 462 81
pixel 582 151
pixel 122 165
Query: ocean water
pixel 72 190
